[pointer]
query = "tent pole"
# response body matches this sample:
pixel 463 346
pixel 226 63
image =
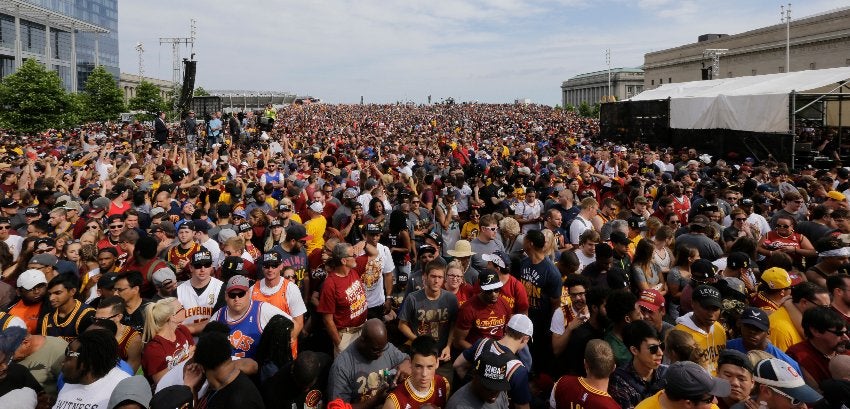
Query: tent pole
pixel 791 128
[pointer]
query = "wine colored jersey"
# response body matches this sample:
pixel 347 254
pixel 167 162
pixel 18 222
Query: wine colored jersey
pixel 345 298
pixel 573 392
pixel 483 320
pixel 405 397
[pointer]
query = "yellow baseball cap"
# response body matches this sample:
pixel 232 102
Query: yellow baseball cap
pixel 776 278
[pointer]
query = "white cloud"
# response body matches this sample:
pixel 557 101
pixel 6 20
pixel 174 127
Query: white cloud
pixel 487 50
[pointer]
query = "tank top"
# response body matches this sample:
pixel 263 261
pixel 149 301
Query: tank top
pixel 128 334
pixel 246 332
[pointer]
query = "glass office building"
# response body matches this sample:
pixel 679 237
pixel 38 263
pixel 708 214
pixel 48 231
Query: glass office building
pixel 70 37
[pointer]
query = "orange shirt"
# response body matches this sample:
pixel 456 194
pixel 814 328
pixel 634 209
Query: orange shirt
pixel 28 313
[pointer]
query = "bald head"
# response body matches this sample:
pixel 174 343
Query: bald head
pixel 839 367
pixel 373 339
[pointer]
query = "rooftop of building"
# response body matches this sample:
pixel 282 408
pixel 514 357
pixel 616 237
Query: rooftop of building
pixel 636 70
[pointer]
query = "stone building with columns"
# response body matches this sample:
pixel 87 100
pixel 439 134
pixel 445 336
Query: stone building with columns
pixel 816 42
pixel 129 82
pixel 592 87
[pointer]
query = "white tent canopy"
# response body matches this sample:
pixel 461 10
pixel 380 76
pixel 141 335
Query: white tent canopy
pixel 757 103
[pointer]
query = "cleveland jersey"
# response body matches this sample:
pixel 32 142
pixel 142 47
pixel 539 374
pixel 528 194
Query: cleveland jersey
pixel 245 332
pixel 67 327
pixel 572 392
pixel 124 341
pixel 199 307
pixel 405 397
pixel 176 254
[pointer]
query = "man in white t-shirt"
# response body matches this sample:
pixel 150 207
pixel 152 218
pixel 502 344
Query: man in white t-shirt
pixel 377 275
pixel 90 370
pixel 13 241
pixel 202 293
pixel 582 222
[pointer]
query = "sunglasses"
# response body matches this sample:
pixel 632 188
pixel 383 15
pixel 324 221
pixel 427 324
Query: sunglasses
pixel 839 333
pixel 740 219
pixel 491 228
pixel 109 318
pixel 654 348
pixel 94 227
pixel 235 294
pixel 5 227
pixel 289 277
pixel 271 265
pixel 116 226
pixel 42 251
pixel 202 265
pixel 704 400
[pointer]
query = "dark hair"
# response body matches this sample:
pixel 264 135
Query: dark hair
pixel 104 325
pixel 146 247
pixel 398 221
pixel 134 278
pixel 535 238
pixel 275 343
pixel 373 206
pixel 98 352
pixel 597 296
pixel 110 250
pixel 806 290
pixel 620 304
pixel 835 281
pixel 569 260
pixel 636 332
pixel 41 225
pixel 212 350
pixel 576 280
pixel 425 345
pixel 435 264
pixel 67 280
pixel 114 303
pixel 821 319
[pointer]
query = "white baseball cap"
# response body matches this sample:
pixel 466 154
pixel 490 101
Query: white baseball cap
pixel 31 278
pixel 317 207
pixel 522 324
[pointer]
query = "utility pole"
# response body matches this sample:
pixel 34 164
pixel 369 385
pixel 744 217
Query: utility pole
pixel 714 54
pixel 141 50
pixel 785 17
pixel 608 62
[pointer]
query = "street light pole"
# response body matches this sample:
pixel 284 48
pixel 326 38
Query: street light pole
pixel 786 18
pixel 608 62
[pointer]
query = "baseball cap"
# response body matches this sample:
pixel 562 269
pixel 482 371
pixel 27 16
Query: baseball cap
pixel 489 280
pixel 107 281
pixel 175 396
pixel 8 203
pixel 156 210
pixel 99 204
pixel 240 213
pixel 735 357
pixel 703 270
pixel 618 237
pixel 776 278
pixel 200 225
pixel 638 223
pixel 272 259
pixel 164 276
pixel 32 211
pixel 651 299
pixel 835 195
pixel 492 370
pixel 44 260
pixel 237 282
pixel 284 207
pixel 275 223
pixel 166 226
pixel 700 220
pixel 188 225
pixel 738 260
pixel 522 324
pixel 232 265
pixel 201 257
pixel 777 374
pixel 372 228
pixel 707 296
pixel 296 231
pixel 72 205
pixel 687 379
pixel 317 207
pixel 495 259
pixel 244 227
pixel 135 388
pixel 641 200
pixel 31 278
pixel 426 248
pixel 755 317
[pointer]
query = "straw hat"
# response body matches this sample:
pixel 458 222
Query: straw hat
pixel 462 249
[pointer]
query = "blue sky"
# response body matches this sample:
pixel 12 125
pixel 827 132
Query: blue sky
pixel 388 51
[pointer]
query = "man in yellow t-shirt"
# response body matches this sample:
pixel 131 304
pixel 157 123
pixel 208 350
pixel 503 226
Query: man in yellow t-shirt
pixel 702 324
pixel 804 296
pixel 688 386
pixel 316 226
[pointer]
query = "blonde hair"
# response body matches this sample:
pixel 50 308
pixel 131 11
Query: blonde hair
pixel 157 315
pixel 509 227
pixel 237 243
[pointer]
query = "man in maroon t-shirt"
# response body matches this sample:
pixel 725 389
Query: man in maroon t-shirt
pixel 483 316
pixel 826 336
pixel 342 302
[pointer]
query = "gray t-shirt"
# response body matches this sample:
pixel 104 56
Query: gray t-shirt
pixel 354 379
pixel 430 317
pixel 480 248
pixel 464 398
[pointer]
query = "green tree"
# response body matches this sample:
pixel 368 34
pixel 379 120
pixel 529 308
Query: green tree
pixel 200 92
pixel 594 111
pixel 33 99
pixel 570 108
pixel 584 110
pixel 147 99
pixel 102 99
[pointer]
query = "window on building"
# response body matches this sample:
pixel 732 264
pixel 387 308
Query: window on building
pixel 7 31
pixel 782 69
pixel 33 37
pixel 811 65
pixel 7 65
pixel 60 44
pixel 661 80
pixel 652 82
pixel 754 72
pixel 669 80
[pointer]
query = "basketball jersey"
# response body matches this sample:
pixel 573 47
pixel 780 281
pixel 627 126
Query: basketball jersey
pixel 403 396
pixel 278 299
pixel 129 333
pixel 246 332
pixel 572 392
pixel 67 328
pixel 8 320
pixel 176 254
pixel 198 307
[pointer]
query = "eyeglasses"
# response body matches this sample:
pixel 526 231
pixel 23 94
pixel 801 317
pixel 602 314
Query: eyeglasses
pixel 42 251
pixel 271 265
pixel 456 276
pixel 704 400
pixel 289 277
pixel 653 349
pixel 116 226
pixel 674 222
pixel 740 219
pixel 783 226
pixel 202 265
pixel 119 290
pixel 794 401
pixel 235 294
pixel 491 228
pixel 837 332
pixel 71 354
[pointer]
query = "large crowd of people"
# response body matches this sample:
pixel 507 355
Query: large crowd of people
pixel 404 257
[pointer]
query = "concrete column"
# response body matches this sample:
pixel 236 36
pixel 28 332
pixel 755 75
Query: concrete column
pixel 73 59
pixel 47 55
pixel 97 49
pixel 19 45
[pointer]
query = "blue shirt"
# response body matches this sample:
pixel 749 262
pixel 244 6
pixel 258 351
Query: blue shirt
pixel 738 345
pixel 215 127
